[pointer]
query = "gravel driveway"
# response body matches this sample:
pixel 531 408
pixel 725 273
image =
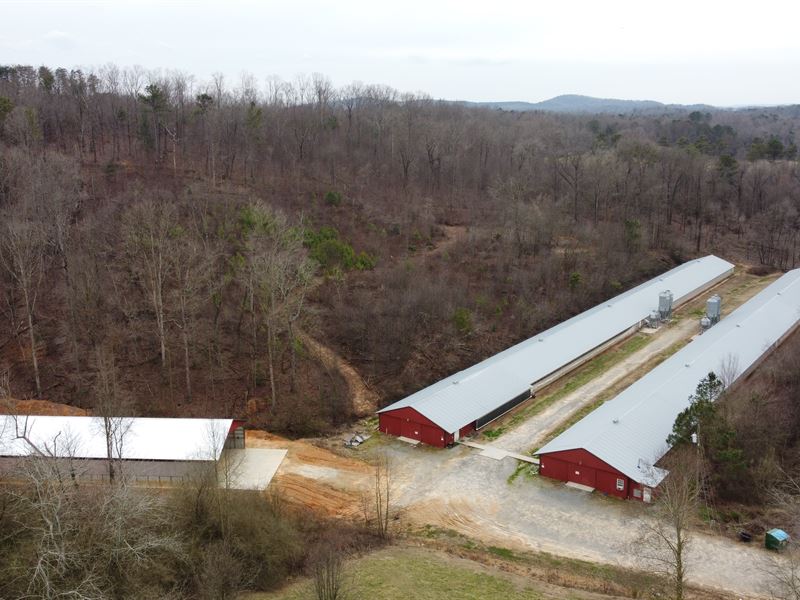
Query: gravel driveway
pixel 530 434
pixel 460 490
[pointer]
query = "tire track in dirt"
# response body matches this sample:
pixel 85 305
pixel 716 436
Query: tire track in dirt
pixel 314 478
pixel 323 499
pixel 364 400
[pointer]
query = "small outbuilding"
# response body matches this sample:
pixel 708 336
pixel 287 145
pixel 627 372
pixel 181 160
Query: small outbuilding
pixel 776 539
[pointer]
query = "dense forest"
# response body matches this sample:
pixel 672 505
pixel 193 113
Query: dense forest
pixel 184 241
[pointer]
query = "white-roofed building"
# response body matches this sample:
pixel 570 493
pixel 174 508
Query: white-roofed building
pixel 148 448
pixel 614 448
pixel 457 405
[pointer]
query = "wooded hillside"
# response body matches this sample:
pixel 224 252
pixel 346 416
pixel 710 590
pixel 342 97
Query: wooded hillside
pixel 166 244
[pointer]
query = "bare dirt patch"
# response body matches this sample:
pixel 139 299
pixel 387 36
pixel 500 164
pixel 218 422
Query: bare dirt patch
pixel 364 400
pixel 314 478
pixel 42 408
pixel 310 494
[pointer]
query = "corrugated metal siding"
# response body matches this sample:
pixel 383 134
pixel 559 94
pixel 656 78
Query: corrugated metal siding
pixel 630 431
pixel 165 471
pixel 409 423
pixel 467 396
pixel 581 467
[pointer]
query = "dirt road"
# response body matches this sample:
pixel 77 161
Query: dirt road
pixel 460 490
pixel 530 434
pixel 364 400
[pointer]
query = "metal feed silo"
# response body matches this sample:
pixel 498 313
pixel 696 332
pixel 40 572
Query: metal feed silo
pixel 714 308
pixel 665 304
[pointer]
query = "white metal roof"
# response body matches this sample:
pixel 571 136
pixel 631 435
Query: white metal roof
pixel 630 431
pixel 84 437
pixel 468 395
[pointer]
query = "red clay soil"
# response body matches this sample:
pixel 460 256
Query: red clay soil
pixel 337 492
pixel 41 408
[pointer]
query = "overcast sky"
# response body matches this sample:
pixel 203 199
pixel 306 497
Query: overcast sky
pixel 719 52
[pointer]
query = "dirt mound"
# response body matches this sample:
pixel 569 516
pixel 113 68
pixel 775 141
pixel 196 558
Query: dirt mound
pixel 41 408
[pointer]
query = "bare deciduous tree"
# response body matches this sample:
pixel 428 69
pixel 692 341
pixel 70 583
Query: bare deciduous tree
pixel 190 267
pixel 377 507
pixel 89 542
pixel 148 225
pixel 328 572
pixel 23 256
pixel 783 572
pixel 666 536
pixel 729 370
pixel 112 405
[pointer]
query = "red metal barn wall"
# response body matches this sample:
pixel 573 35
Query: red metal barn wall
pixel 409 423
pixel 580 466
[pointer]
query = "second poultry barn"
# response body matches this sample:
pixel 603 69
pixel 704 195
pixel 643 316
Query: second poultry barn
pixel 442 413
pixel 615 448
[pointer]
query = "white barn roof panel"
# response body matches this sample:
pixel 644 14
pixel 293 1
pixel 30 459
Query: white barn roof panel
pixel 467 396
pixel 84 437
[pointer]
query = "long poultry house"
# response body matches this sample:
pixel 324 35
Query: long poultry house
pixel 466 401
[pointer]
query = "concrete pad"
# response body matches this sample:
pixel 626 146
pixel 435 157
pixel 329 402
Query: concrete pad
pixel 579 486
pixel 250 468
pixel 524 457
pixel 471 444
pixel 494 453
pixel 498 453
pixel 408 440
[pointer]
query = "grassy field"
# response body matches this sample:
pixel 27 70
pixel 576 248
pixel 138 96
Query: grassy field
pixel 400 573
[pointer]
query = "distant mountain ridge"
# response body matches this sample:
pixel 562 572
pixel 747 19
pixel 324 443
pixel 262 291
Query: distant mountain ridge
pixel 575 103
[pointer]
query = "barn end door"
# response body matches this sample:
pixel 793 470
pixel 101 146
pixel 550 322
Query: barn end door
pixel 391 425
pixel 583 475
pixel 411 430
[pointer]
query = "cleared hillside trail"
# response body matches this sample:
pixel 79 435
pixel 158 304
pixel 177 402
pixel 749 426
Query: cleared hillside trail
pixel 452 235
pixel 363 399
